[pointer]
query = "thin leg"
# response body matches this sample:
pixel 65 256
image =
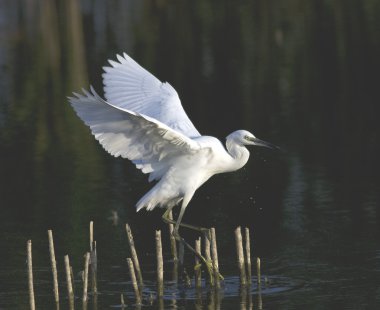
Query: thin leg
pixel 167 220
pixel 177 236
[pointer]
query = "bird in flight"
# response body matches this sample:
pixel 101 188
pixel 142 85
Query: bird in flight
pixel 142 119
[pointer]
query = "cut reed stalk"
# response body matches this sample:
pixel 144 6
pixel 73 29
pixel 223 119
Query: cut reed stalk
pixel 70 291
pixel 91 235
pixel 160 265
pixel 240 256
pixel 94 269
pixel 173 242
pixel 134 255
pixel 248 255
pixel 134 281
pixel 85 278
pixel 32 303
pixel 53 266
pixel 215 261
pixel 207 249
pixel 122 301
pixel 258 267
pixel 198 270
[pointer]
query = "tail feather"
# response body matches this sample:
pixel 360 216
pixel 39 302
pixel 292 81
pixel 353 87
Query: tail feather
pixel 157 197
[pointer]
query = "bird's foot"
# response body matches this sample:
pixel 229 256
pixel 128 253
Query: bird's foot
pixel 207 263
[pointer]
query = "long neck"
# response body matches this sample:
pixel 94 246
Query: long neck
pixel 239 154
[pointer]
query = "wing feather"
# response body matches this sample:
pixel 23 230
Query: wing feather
pixel 148 143
pixel 129 86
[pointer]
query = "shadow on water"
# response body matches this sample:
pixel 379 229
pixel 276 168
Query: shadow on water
pixel 301 74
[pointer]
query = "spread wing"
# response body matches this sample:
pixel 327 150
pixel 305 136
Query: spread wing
pixel 148 143
pixel 129 86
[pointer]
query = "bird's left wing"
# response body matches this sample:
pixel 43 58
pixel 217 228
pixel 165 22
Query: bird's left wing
pixel 145 141
pixel 129 86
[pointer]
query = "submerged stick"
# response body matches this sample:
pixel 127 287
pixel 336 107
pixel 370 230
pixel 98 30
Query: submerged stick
pixel 134 281
pixel 134 254
pixel 53 266
pixel 240 255
pixel 85 277
pixel 215 261
pixel 32 303
pixel 258 266
pixel 173 242
pixel 160 265
pixel 198 270
pixel 248 255
pixel 70 291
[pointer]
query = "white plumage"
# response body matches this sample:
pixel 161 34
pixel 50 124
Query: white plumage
pixel 143 120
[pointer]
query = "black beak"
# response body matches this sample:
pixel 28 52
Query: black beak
pixel 259 142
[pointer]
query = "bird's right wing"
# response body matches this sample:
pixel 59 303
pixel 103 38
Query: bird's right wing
pixel 129 86
pixel 147 142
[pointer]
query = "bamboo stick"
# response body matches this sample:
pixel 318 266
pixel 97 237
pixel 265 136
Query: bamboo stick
pixel 134 255
pixel 240 256
pixel 214 253
pixel 70 291
pixel 248 255
pixel 32 303
pixel 160 265
pixel 134 281
pixel 198 270
pixel 173 242
pixel 85 278
pixel 53 266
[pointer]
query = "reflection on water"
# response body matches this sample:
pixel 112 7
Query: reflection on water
pixel 302 74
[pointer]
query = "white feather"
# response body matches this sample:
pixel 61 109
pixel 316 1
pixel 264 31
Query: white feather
pixel 129 86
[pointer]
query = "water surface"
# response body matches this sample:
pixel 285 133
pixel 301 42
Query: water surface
pixel 301 74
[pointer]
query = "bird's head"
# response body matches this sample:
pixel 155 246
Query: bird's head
pixel 244 137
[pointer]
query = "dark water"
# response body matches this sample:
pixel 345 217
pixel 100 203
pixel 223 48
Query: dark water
pixel 301 74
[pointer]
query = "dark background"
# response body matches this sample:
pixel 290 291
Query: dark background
pixel 301 74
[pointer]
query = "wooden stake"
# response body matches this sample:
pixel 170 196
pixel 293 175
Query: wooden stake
pixel 70 291
pixel 53 266
pixel 240 256
pixel 214 253
pixel 134 255
pixel 248 255
pixel 258 266
pixel 173 242
pixel 32 303
pixel 198 270
pixel 85 277
pixel 160 265
pixel 134 281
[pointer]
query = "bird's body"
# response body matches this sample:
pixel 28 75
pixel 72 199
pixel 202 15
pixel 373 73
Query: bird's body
pixel 188 172
pixel 143 120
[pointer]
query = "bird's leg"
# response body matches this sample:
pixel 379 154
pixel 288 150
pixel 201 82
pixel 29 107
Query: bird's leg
pixel 168 220
pixel 177 236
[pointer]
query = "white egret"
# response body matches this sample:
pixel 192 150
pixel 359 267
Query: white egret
pixel 142 119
